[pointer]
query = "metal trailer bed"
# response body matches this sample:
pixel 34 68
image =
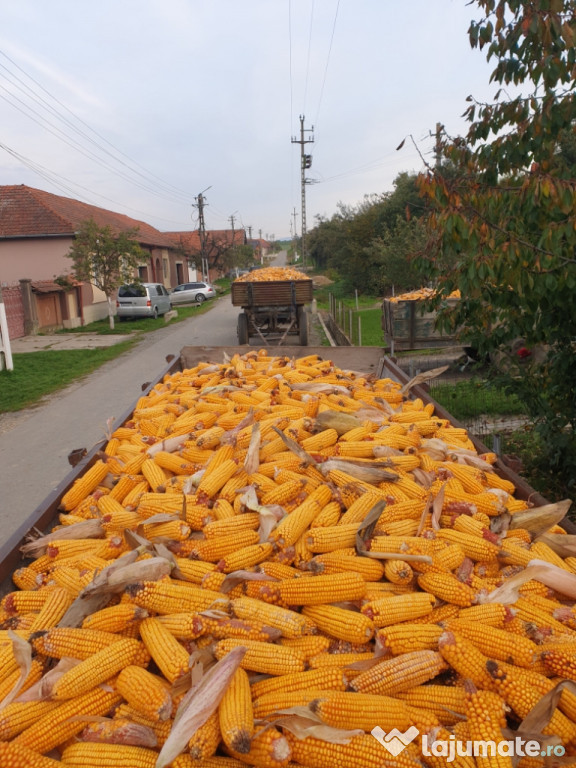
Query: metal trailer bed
pixel 367 360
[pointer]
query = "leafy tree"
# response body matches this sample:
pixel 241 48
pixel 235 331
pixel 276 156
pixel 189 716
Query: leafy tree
pixel 503 228
pixel 105 259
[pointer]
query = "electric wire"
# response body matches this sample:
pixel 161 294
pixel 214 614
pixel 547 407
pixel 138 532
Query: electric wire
pixel 53 129
pixel 167 186
pixel 66 185
pixel 327 62
pixel 308 57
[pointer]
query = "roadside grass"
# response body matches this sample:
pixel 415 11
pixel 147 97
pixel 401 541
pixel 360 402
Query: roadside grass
pixel 37 374
pixel 342 296
pixel 473 397
pixel 145 324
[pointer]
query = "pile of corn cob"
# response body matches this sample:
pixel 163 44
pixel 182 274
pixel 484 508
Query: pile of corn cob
pixel 420 294
pixel 268 534
pixel 268 274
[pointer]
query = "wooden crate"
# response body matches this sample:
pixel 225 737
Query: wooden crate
pixel 272 293
pixel 407 326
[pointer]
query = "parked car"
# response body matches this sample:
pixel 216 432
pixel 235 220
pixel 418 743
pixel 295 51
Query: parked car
pixel 188 292
pixel 142 300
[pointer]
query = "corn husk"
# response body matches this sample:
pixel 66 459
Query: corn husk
pixel 115 580
pixel 23 654
pixel 341 422
pixel 252 460
pixel 198 704
pixel 360 470
pixel 88 529
pixel 420 378
pixel 303 722
pixel 539 520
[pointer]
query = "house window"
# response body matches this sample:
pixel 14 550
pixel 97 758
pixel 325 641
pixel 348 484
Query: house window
pixel 143 274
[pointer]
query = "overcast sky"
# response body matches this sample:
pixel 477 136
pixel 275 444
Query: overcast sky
pixel 140 105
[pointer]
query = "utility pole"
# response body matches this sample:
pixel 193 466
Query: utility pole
pixel 249 232
pixel 232 219
pixel 294 233
pixel 305 162
pixel 200 203
pixel 438 146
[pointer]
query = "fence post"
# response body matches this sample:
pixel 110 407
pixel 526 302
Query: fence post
pixel 350 324
pixel 356 294
pixel 359 330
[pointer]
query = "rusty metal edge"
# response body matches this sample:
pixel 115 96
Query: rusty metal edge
pixel 45 513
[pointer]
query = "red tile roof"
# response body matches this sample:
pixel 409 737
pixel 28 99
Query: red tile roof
pixel 190 241
pixel 29 212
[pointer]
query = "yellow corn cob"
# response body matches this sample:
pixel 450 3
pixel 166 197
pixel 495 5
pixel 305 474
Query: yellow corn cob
pixel 361 710
pixel 393 610
pixel 268 749
pixel 204 742
pixel 34 675
pixel 496 643
pixel 145 692
pixel 184 626
pixel 57 603
pixel 237 629
pixel 171 658
pixel 486 718
pixel 489 614
pixel 334 562
pixel 18 716
pixel 85 754
pixel 310 645
pixel 476 548
pixel 96 669
pixel 331 538
pixel 230 525
pixel 84 486
pixel 445 701
pixel 400 673
pixel 214 549
pixel 17 756
pixel 291 527
pixel 324 678
pixel 166 597
pixel 25 602
pixel 264 658
pixel 63 722
pixel 290 623
pixel 216 480
pixel 161 728
pixel 116 618
pixel 465 658
pixel 518 692
pixel 446 586
pixel 406 637
pixel 398 571
pixel 60 642
pixel 330 515
pixel 340 623
pixel 131 499
pixel 125 484
pixel 317 590
pixel 246 557
pixel 154 474
pixel 174 463
pixel 193 570
pixel 236 714
pixel 360 752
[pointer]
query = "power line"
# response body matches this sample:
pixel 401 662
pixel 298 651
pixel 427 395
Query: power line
pixel 308 56
pixel 146 177
pixel 71 188
pixel 327 61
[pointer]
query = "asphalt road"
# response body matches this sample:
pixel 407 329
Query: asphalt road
pixel 35 443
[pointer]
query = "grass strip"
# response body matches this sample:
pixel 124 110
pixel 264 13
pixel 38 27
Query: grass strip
pixel 37 374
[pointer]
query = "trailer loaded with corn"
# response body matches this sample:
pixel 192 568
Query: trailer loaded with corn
pixel 283 561
pixel 273 301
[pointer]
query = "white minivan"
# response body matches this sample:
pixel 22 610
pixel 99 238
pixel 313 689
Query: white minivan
pixel 142 300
